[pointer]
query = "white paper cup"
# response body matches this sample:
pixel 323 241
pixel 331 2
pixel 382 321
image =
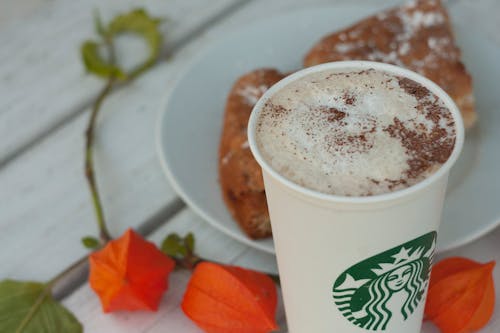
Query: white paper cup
pixel 355 264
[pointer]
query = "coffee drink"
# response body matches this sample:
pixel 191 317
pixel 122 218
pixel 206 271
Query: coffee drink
pixel 355 132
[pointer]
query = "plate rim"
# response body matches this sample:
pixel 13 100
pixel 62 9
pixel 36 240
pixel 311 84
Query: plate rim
pixel 159 131
pixel 242 238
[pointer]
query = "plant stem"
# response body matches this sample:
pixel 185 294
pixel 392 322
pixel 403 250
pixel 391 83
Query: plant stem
pixel 89 162
pixel 104 234
pixel 188 262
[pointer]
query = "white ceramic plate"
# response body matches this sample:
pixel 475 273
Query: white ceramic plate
pixel 190 126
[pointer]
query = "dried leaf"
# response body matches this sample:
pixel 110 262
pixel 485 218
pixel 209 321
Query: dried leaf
pixel 228 299
pixel 130 273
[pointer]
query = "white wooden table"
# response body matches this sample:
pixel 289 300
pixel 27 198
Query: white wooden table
pixel 45 96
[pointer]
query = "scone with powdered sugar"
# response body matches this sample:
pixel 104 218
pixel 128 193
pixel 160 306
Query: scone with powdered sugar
pixel 417 36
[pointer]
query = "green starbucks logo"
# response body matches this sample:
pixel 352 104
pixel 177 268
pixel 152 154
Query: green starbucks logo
pixel 386 287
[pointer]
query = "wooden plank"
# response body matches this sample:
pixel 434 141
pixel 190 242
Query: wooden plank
pixel 43 193
pixel 209 242
pixel 44 198
pixel 42 80
pixel 12 10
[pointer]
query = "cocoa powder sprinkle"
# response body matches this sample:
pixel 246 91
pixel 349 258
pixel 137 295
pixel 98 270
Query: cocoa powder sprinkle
pixel 424 148
pixel 349 99
pixel 334 114
pixel 413 88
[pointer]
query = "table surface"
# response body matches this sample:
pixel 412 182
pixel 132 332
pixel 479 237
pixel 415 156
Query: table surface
pixel 45 99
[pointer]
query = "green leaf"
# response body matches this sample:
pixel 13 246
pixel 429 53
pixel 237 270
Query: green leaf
pixel 139 22
pixel 189 242
pixel 136 22
pixel 90 242
pixel 28 307
pixel 173 246
pixel 95 64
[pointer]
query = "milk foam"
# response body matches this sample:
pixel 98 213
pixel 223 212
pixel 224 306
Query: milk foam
pixel 355 133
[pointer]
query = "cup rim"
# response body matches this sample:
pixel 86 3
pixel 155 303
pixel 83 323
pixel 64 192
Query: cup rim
pixel 359 65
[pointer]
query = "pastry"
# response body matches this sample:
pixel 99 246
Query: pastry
pixel 417 36
pixel 240 175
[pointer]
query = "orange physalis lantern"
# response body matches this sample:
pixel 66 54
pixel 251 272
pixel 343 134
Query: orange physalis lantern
pixel 228 299
pixel 129 273
pixel 461 295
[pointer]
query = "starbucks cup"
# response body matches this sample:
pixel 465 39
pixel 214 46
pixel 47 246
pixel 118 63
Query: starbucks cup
pixel 355 264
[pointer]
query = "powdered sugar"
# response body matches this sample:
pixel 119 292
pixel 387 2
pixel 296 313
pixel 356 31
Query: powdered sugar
pixel 418 19
pixel 404 48
pixel 346 47
pixel 225 159
pixel 251 94
pixel 245 145
pixel 390 58
pixel 415 20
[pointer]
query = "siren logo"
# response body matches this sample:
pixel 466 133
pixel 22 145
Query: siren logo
pixel 386 287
